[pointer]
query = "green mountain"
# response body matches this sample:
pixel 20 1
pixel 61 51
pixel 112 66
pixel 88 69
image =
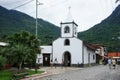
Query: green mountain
pixel 107 32
pixel 12 21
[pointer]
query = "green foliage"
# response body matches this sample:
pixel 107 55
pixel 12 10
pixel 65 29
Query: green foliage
pixel 23 47
pixel 5 75
pixel 2 62
pixel 107 32
pixel 12 21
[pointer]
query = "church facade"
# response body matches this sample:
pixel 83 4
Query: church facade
pixel 68 48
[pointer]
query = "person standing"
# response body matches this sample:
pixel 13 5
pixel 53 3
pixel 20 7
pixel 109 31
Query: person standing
pixel 51 63
pixel 109 62
pixel 114 63
pixel 55 62
pixel 62 64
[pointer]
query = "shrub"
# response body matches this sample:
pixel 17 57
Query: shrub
pixel 2 62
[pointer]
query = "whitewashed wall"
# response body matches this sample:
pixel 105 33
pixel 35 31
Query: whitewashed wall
pixel 88 55
pixel 40 57
pixel 92 52
pixel 75 49
pixel 85 55
pixel 44 50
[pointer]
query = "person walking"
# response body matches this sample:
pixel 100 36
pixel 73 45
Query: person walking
pixel 109 62
pixel 62 64
pixel 55 62
pixel 114 63
pixel 51 63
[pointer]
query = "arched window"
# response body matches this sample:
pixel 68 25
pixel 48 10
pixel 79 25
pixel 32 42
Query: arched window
pixel 67 42
pixel 66 29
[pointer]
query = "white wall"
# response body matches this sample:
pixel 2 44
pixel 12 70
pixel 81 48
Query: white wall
pixel 46 49
pixel 92 60
pixel 88 55
pixel 40 57
pixel 75 49
pixel 85 55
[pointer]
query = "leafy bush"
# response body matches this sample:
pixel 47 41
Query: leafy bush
pixel 2 62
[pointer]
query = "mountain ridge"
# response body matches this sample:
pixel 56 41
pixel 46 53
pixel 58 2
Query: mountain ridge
pixel 104 32
pixel 12 21
pixel 107 32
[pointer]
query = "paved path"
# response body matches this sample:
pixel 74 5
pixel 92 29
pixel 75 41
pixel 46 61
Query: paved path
pixel 50 71
pixel 101 72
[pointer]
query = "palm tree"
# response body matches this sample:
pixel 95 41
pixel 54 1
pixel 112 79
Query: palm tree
pixel 20 54
pixel 24 47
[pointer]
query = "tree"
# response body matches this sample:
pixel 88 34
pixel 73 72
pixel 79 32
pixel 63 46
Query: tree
pixel 20 54
pixel 23 47
pixel 2 62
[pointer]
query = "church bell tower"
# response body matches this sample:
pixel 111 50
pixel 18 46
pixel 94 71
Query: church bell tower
pixel 69 27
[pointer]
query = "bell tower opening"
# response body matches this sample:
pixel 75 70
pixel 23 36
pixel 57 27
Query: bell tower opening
pixel 69 27
pixel 66 29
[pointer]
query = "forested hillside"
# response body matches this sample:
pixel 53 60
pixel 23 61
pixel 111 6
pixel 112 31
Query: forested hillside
pixel 107 32
pixel 12 21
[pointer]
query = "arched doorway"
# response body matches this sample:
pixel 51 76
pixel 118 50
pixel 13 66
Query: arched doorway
pixel 67 58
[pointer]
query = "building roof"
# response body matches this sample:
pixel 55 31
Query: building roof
pixel 93 46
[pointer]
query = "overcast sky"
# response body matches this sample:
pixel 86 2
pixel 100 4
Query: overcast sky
pixel 86 13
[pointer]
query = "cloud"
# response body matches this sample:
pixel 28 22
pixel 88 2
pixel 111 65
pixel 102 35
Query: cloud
pixel 85 13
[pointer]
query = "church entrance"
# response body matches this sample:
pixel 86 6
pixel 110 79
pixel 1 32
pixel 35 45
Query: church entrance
pixel 67 59
pixel 46 59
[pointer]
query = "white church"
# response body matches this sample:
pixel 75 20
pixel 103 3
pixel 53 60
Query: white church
pixel 69 48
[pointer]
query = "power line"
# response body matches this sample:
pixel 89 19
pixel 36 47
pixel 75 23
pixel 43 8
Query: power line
pixel 23 4
pixel 18 6
pixel 53 5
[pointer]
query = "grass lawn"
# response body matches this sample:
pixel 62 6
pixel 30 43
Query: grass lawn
pixel 7 75
pixel 31 72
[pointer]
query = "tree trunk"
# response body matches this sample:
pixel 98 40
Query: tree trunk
pixel 20 66
pixel 35 67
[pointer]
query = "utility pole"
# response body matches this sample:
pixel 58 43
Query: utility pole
pixel 37 17
pixel 37 3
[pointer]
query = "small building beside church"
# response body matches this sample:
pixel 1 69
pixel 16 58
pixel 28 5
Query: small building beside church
pixel 70 49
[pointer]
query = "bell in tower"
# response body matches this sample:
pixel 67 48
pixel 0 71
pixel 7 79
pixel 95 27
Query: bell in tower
pixel 69 27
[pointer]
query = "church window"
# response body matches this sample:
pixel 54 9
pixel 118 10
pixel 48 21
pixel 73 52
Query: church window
pixel 66 29
pixel 67 42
